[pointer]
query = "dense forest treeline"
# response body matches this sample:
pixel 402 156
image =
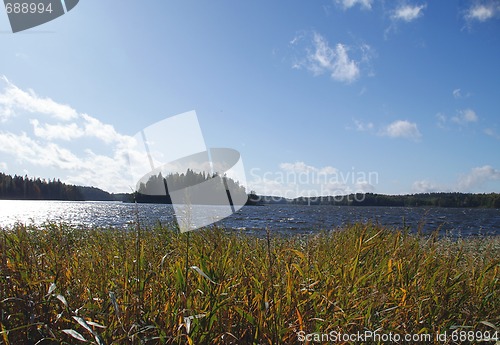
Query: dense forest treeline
pixel 19 187
pixel 155 190
pixel 25 188
pixel 491 200
pixel 158 189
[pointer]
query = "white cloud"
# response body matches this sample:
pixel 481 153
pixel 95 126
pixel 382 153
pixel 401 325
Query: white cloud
pixel 3 166
pixel 367 52
pixel 402 129
pixel 342 188
pixel 458 94
pixel 478 177
pixel 299 167
pixel 361 126
pixel 84 126
pixel 64 146
pixel 14 100
pixel 482 11
pixel 50 132
pixel 363 187
pixel 397 129
pixel 321 58
pixel 299 179
pixel 105 132
pixel 408 13
pixel 346 4
pixel 328 170
pixel 465 116
pixel 426 186
pixel 335 61
pixel 265 186
pixel 442 120
pixel 336 188
pixel 108 172
pixel 343 68
pixel 22 56
pixel 404 13
pixel 492 133
pixel 44 154
pixel 466 183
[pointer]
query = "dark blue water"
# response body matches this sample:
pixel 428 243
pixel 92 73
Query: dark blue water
pixel 292 218
pixel 283 219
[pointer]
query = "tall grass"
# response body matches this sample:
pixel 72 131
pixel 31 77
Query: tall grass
pixel 68 285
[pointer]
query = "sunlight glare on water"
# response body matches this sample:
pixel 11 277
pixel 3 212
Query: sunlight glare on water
pixel 73 212
pixel 285 219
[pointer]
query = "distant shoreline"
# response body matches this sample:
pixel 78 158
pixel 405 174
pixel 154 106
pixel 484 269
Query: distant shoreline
pixel 24 188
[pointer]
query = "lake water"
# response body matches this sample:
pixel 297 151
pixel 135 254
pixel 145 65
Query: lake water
pixel 255 219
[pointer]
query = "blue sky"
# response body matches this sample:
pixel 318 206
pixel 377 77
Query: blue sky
pixel 323 97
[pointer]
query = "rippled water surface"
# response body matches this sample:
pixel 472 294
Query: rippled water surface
pixel 278 218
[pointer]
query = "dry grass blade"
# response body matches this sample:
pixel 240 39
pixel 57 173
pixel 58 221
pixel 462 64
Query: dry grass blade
pixel 95 324
pixel 203 274
pixel 75 335
pixel 63 300
pixel 112 297
pixel 84 324
pixel 52 288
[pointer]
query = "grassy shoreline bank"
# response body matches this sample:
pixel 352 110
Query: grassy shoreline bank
pixel 108 286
